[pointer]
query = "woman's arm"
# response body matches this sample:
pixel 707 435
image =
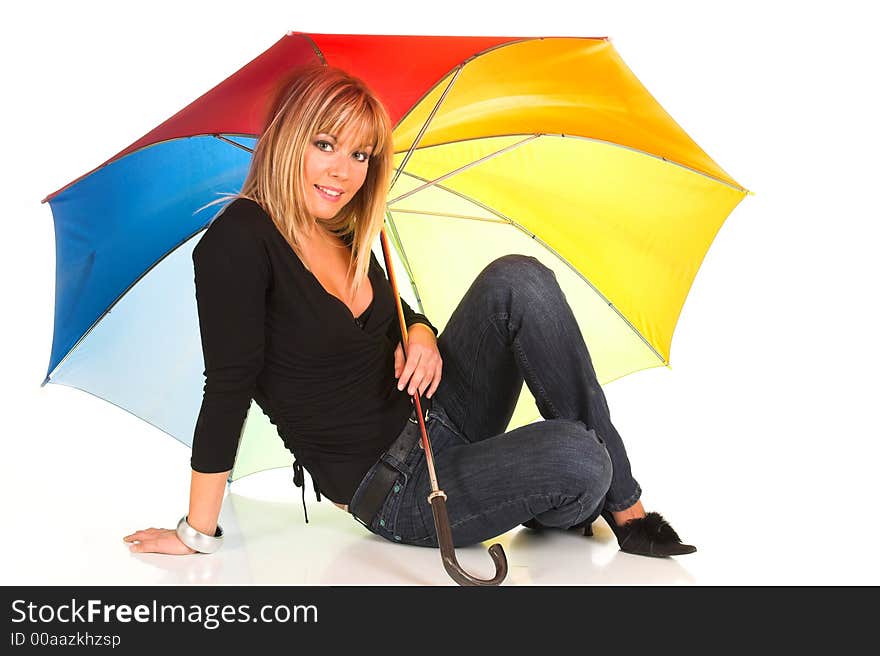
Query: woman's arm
pixel 232 275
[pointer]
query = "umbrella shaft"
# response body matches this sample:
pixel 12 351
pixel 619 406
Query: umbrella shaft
pixel 426 443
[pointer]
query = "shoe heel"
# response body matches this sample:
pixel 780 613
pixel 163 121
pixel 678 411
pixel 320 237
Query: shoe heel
pixel 619 532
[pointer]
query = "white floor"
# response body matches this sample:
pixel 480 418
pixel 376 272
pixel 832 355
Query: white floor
pixel 73 487
pixel 269 543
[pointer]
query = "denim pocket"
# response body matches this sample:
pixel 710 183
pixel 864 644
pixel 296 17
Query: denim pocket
pixel 445 422
pixel 385 522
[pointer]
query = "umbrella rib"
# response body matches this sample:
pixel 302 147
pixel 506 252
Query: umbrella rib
pixel 558 256
pixel 448 215
pixel 599 141
pixel 424 127
pixel 399 170
pixel 314 45
pixel 405 260
pixel 233 143
pixel 431 183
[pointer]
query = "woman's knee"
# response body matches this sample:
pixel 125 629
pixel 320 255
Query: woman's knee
pixel 577 456
pixel 523 273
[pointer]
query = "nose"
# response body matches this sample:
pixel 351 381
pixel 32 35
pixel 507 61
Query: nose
pixel 338 167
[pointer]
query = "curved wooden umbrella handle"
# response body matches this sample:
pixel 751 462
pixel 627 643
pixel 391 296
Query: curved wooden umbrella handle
pixel 447 550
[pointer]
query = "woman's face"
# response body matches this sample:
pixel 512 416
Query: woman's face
pixel 335 168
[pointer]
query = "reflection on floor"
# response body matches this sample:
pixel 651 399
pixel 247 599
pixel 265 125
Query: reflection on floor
pixel 268 542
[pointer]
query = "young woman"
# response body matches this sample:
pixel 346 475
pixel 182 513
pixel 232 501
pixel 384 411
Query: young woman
pixel 296 313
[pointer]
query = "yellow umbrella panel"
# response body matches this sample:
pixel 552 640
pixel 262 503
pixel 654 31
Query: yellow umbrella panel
pixel 552 148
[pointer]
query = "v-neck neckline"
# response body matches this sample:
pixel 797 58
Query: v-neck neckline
pixel 354 319
pixel 320 285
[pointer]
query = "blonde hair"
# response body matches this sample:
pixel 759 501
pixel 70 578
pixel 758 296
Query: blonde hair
pixel 313 99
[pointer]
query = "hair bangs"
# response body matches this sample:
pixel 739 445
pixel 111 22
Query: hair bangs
pixel 352 110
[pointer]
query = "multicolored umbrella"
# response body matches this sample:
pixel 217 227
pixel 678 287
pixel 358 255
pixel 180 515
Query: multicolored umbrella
pixel 549 147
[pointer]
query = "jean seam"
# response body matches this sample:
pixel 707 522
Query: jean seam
pixel 528 367
pixel 489 324
pixel 534 378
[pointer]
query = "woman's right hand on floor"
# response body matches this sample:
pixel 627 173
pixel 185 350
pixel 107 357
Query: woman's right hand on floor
pixel 157 540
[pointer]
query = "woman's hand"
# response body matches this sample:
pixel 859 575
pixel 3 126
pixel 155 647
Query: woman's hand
pixel 423 366
pixel 157 540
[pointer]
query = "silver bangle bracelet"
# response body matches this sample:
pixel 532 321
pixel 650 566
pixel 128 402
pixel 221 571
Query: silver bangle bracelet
pixel 201 542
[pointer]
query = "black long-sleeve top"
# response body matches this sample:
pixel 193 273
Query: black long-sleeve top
pixel 272 333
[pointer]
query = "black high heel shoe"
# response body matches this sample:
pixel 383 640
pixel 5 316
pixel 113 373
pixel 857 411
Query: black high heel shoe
pixel 650 535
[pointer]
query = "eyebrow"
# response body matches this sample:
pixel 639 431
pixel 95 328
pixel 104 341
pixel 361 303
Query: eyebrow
pixel 333 136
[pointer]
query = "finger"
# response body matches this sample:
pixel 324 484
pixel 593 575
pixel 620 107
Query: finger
pixel 423 375
pixel 144 546
pixel 421 380
pixel 435 383
pixel 413 380
pixel 426 383
pixel 411 365
pixel 144 534
pixel 398 360
pixel 418 382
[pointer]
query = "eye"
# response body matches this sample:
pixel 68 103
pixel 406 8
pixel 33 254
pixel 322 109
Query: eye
pixel 362 156
pixel 320 143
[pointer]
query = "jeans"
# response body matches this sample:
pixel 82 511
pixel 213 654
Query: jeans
pixel 512 325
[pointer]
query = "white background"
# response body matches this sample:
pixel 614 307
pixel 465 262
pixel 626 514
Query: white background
pixel 759 444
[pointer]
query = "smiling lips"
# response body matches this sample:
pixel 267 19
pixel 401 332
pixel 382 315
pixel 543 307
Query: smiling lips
pixel 329 193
